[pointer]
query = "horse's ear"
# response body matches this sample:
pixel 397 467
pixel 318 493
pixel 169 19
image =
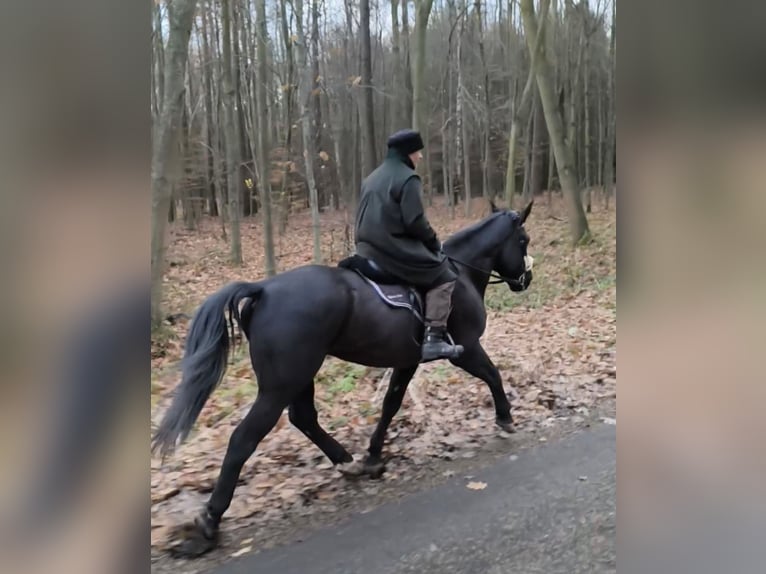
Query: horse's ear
pixel 493 206
pixel 526 212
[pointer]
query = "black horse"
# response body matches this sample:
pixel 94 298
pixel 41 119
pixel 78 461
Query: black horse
pixel 294 320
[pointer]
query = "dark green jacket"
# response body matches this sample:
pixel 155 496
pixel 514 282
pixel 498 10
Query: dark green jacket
pixel 392 228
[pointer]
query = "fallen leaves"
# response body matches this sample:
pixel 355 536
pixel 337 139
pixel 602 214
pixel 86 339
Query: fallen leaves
pixel 476 485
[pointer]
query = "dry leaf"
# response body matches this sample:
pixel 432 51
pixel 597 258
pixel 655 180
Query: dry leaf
pixel 287 493
pixel 531 396
pixel 476 485
pixel 164 494
pixel 160 535
pixel 241 551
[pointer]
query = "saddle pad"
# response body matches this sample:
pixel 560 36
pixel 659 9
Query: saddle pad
pixel 398 296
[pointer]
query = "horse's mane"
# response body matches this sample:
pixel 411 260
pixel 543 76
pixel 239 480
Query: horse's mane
pixel 471 232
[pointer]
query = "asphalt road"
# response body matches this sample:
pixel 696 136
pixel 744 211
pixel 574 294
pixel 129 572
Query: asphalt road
pixel 551 509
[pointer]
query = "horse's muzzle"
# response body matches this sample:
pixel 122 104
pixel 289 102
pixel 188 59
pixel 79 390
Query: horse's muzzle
pixel 522 283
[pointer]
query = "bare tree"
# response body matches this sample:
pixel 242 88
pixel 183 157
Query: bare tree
pixel 288 89
pixel 180 16
pixel 304 98
pixel 422 12
pixel 398 103
pixel 486 162
pixel 518 108
pixel 462 117
pixel 609 174
pixel 264 143
pixel 366 110
pixel 231 136
pixel 578 224
pixel 407 95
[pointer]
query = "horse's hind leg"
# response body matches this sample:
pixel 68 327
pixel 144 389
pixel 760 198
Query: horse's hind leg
pixel 303 415
pixel 397 386
pixel 202 536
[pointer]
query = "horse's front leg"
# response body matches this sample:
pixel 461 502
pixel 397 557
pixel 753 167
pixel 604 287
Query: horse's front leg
pixel 373 465
pixel 474 361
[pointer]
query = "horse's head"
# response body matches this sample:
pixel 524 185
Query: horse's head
pixel 512 261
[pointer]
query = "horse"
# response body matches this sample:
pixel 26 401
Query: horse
pixel 294 320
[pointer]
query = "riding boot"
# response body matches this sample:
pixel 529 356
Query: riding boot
pixel 436 344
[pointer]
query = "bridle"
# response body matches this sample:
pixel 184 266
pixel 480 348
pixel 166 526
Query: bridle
pixel 520 281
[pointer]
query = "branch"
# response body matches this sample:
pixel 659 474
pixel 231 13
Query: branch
pixel 454 25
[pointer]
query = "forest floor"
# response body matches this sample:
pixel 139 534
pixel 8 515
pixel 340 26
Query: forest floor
pixel 555 347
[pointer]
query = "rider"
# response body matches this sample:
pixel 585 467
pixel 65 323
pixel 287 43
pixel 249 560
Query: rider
pixel 393 232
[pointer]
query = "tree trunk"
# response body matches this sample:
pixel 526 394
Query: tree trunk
pixel 578 223
pixel 486 161
pixel 304 89
pixel 407 64
pixel 600 152
pixel 397 101
pixel 551 167
pixel 316 104
pixel 586 129
pixel 181 16
pixel 538 143
pixel 571 131
pixel 210 146
pixel 609 171
pixel 453 142
pixel 366 109
pixel 518 110
pixel 288 90
pixel 446 176
pixel 159 54
pixel 463 115
pixel 525 192
pixel 251 173
pixel 510 172
pixel 231 136
pixel 408 92
pixel 244 155
pixel 220 145
pixel 264 143
pixel 422 12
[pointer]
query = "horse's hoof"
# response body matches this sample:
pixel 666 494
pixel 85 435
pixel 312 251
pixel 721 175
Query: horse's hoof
pixel 357 469
pixel 190 541
pixel 507 426
pixel 374 469
pixel 353 469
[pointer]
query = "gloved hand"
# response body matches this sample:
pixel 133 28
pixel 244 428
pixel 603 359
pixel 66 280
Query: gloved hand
pixel 434 245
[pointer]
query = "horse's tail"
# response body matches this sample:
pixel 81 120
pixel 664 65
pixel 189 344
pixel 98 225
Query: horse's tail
pixel 204 362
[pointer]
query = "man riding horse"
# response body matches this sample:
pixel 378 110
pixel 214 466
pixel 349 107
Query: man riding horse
pixel 393 234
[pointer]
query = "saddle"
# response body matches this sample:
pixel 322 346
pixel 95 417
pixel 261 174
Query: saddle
pixel 389 288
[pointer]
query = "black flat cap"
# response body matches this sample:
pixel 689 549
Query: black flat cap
pixel 406 141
